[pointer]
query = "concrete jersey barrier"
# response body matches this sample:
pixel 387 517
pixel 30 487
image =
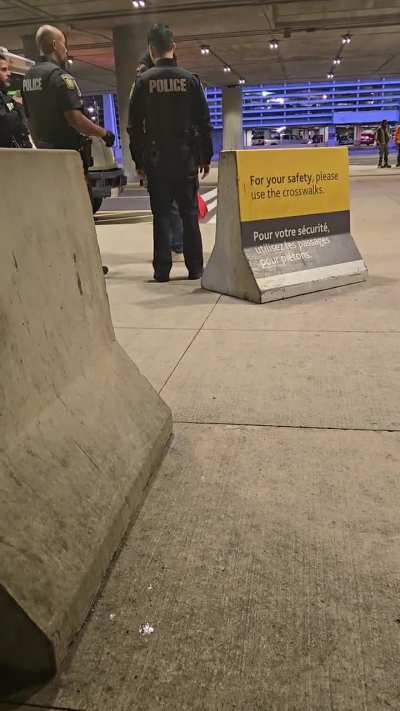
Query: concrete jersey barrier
pixel 81 430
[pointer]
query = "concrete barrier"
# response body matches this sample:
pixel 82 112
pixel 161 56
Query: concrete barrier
pixel 283 225
pixel 81 430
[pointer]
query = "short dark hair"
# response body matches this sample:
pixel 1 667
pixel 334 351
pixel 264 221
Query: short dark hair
pixel 3 58
pixel 161 37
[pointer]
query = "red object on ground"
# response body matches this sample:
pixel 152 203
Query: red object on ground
pixel 203 209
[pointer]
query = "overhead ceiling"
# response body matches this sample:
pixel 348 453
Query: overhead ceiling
pixel 238 32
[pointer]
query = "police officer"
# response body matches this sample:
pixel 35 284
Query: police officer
pixel 170 132
pixel 53 102
pixel 175 220
pixel 13 130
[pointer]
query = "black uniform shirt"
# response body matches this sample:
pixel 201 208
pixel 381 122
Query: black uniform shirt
pixel 169 122
pixel 49 91
pixel 13 130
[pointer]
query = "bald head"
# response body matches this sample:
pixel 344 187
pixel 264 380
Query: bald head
pixel 51 43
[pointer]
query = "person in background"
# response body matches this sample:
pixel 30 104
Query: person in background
pixel 175 220
pixel 397 141
pixel 13 129
pixel 170 140
pixel 382 141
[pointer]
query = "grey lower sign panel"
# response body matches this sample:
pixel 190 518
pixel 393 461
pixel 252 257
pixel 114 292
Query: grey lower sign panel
pixel 286 252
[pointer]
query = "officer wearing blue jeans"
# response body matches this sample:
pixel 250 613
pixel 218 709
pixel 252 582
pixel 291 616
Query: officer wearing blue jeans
pixel 170 138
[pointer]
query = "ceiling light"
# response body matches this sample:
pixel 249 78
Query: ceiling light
pixel 205 49
pixel 91 109
pixel 324 96
pixel 265 93
pixel 274 44
pixel 330 75
pixel 227 69
pixel 242 81
pixel 337 60
pixel 346 39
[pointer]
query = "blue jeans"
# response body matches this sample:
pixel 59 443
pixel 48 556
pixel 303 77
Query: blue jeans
pixel 176 226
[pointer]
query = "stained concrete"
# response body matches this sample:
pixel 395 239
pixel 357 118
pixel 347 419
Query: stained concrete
pixel 266 561
pixel 372 307
pixel 139 302
pixel 82 431
pixel 265 558
pixel 155 353
pixel 337 380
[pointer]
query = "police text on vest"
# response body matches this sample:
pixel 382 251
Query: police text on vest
pixel 166 86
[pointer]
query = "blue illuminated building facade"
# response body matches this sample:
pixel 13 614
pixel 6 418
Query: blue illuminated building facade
pixel 330 106
pixel 326 103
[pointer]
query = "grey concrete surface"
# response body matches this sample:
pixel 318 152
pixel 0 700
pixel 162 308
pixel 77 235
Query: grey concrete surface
pixel 137 301
pixel 265 558
pixel 154 351
pixel 376 302
pixel 81 430
pixel 289 379
pixel 267 563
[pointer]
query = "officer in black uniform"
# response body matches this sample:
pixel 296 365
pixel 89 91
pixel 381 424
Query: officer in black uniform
pixel 13 129
pixel 170 132
pixel 53 102
pixel 175 220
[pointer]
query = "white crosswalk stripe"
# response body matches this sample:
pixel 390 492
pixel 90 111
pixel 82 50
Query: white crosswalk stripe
pixel 211 199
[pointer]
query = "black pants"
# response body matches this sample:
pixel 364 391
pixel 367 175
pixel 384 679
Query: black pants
pixel 163 191
pixel 398 155
pixel 383 154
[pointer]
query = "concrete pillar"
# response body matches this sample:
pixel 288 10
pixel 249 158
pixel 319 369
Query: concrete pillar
pixel 232 112
pixel 129 45
pixel 29 47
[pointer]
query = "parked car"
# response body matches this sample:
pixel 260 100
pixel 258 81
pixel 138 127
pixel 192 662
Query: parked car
pixel 273 140
pixel 345 140
pixel 367 138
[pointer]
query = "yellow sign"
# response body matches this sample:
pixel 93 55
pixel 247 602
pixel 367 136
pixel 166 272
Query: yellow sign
pixel 290 182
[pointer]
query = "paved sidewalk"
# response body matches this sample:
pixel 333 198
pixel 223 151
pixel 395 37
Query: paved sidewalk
pixel 266 557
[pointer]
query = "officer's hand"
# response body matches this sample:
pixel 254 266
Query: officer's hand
pixel 204 169
pixel 109 139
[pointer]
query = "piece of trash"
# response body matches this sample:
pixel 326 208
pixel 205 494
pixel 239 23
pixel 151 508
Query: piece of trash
pixel 150 587
pixel 145 629
pixel 112 616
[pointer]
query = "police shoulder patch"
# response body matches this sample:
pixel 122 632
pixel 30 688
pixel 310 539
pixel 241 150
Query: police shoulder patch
pixel 69 81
